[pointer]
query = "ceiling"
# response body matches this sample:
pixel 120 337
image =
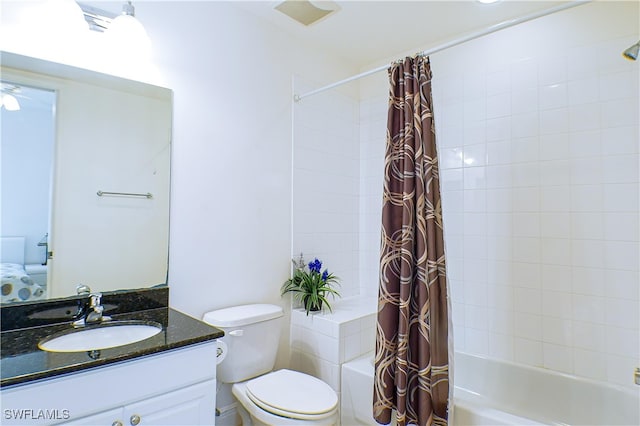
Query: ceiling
pixel 367 33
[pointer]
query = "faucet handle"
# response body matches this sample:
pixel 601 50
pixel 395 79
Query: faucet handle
pixel 82 289
pixel 94 300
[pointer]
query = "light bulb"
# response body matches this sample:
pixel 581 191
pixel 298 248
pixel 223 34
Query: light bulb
pixel 61 19
pixel 128 37
pixel 55 30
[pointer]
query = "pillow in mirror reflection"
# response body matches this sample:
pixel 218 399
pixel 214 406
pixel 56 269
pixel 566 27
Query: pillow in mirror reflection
pixel 17 286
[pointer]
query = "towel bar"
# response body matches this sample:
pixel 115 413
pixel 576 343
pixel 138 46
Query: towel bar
pixel 126 194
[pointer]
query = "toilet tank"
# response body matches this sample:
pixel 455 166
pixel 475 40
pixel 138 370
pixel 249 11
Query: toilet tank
pixel 251 334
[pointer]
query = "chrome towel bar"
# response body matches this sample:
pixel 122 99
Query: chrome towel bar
pixel 125 194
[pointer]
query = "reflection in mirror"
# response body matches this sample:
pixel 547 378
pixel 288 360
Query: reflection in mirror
pixel 109 141
pixel 27 140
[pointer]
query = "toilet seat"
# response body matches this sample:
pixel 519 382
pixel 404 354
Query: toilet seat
pixel 293 394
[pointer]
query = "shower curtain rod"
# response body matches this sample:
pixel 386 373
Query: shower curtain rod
pixel 455 42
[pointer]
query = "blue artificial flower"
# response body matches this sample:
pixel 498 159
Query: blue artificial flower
pixel 315 266
pixel 325 275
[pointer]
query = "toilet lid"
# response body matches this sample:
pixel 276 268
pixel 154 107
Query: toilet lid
pixel 292 394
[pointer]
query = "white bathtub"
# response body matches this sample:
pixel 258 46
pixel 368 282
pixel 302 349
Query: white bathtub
pixel 492 392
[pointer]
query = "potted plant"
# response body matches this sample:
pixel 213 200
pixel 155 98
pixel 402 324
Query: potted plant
pixel 310 286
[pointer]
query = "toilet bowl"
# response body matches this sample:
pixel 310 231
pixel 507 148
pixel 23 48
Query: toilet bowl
pixel 266 397
pixel 286 397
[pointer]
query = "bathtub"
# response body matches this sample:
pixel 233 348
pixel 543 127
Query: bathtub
pixel 493 392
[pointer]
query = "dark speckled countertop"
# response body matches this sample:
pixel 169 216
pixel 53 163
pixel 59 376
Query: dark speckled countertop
pixel 25 324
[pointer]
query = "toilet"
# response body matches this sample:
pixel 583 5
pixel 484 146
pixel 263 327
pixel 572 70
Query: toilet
pixel 266 397
pixel 38 273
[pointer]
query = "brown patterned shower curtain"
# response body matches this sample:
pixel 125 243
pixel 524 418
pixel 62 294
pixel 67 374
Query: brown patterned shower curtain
pixel 411 363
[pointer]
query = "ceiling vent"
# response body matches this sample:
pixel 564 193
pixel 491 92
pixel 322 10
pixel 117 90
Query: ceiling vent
pixel 306 12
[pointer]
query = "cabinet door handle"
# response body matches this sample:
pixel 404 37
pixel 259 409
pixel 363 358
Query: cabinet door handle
pixel 134 420
pixel 117 423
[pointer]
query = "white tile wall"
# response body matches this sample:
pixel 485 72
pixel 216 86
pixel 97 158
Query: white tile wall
pixel 373 125
pixel 321 342
pixel 326 181
pixel 540 178
pixel 330 187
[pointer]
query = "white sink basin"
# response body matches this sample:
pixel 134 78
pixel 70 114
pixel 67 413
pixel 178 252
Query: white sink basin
pixel 108 335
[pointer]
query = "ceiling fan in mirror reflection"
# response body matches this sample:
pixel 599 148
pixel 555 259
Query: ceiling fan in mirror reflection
pixel 8 100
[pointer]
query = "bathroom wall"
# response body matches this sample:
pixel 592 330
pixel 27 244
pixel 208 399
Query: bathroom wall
pixel 373 128
pixel 231 160
pixel 231 74
pixel 231 223
pixel 325 183
pixel 538 140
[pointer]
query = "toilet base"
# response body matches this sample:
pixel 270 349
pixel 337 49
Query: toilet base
pixel 251 414
pixel 245 417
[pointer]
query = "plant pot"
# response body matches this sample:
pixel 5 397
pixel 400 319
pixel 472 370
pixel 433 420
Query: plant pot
pixel 311 307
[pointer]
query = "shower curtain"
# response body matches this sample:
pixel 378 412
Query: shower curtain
pixel 411 360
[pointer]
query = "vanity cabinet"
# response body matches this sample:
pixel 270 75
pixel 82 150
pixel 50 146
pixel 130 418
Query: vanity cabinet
pixel 169 388
pixel 187 406
pixel 110 417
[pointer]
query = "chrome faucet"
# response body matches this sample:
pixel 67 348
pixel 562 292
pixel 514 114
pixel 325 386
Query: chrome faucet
pixel 95 309
pixel 83 289
pixel 93 312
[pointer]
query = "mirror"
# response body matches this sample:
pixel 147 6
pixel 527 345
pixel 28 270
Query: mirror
pixel 27 117
pixel 91 180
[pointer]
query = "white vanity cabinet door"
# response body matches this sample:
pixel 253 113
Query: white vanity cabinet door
pixel 109 418
pixel 188 406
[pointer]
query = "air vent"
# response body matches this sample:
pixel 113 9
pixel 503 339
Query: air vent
pixel 305 12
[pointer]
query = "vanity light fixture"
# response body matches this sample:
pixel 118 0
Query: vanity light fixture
pixel 127 32
pixel 127 17
pixel 488 1
pixel 99 20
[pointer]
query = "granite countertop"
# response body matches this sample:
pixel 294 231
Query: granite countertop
pixel 23 326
